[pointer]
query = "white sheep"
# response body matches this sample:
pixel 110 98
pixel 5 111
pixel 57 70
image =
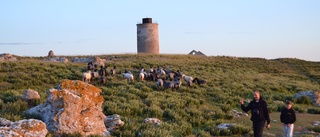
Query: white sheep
pixel 86 76
pixel 141 76
pixel 128 76
pixel 159 83
pixel 187 78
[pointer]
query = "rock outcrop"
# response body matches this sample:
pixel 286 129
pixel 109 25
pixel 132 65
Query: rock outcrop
pixel 73 107
pixel 22 128
pixel 313 95
pixel 7 57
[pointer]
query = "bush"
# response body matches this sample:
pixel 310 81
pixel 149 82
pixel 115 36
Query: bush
pixel 300 109
pixel 313 111
pixel 315 129
pixel 304 100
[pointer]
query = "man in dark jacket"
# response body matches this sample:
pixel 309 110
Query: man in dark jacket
pixel 259 113
pixel 287 118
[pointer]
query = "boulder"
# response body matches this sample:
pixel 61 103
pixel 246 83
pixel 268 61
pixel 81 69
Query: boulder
pixel 31 97
pixel 113 122
pixel 23 128
pixel 225 125
pixel 313 95
pixel 152 121
pixel 73 107
pixel 30 94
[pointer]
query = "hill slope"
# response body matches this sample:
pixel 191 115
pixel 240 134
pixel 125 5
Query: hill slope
pixel 186 111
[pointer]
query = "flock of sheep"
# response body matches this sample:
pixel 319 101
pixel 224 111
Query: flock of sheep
pixel 164 78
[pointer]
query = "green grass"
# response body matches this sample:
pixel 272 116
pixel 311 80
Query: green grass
pixel 192 111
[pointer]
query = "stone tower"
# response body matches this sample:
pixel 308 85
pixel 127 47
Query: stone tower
pixel 147 37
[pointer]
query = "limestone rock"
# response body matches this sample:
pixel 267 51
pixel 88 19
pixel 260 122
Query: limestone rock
pixel 113 122
pixel 73 107
pixel 313 95
pixel 30 94
pixel 23 128
pixel 5 122
pixel 153 121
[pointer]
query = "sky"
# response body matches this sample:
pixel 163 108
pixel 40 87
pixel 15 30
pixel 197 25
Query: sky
pixel 242 28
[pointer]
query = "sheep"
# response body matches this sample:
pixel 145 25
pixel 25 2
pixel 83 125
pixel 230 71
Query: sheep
pixel 170 75
pixel 177 82
pixel 189 83
pixel 187 78
pixel 86 76
pixel 169 84
pixel 95 74
pixel 103 80
pixel 160 71
pixel 113 70
pixel 159 83
pixel 141 76
pixel 103 71
pixel 199 82
pixel 128 76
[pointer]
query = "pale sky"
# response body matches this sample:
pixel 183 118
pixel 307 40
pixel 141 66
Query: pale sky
pixel 243 28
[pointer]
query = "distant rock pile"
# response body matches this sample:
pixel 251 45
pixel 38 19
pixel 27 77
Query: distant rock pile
pixel 7 57
pixel 313 95
pixel 22 128
pixel 73 107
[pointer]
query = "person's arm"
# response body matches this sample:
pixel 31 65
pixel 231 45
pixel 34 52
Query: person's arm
pixel 245 108
pixel 281 116
pixel 294 116
pixel 266 112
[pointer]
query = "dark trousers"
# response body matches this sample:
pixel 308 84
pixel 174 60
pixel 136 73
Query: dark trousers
pixel 258 128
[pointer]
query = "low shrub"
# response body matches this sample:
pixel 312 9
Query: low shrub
pixel 313 111
pixel 304 100
pixel 315 129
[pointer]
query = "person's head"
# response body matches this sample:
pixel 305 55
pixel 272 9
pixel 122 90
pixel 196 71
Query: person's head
pixel 256 95
pixel 288 104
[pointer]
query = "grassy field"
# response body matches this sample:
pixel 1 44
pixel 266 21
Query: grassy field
pixel 186 111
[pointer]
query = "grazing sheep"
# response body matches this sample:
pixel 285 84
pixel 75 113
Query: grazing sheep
pixel 95 74
pixel 103 80
pixel 189 83
pixel 187 78
pixel 128 76
pixel 169 84
pixel 177 82
pixel 90 66
pixel 151 70
pixel 199 82
pixel 103 71
pixel 159 83
pixel 86 76
pixel 160 71
pixel 113 70
pixel 141 76
pixel 170 76
pixel 152 76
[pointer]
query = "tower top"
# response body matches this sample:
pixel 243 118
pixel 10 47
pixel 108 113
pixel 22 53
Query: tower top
pixel 146 20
